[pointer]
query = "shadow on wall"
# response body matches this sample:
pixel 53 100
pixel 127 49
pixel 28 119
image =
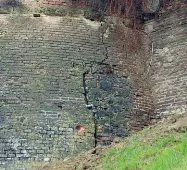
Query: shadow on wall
pixel 10 6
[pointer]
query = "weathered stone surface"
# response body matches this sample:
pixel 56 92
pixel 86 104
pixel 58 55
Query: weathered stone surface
pixel 42 62
pixel 112 107
pixel 54 69
pixel 51 68
pixel 169 63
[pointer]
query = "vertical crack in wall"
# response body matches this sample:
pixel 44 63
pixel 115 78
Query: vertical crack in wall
pixel 103 62
pixel 89 106
pixel 103 69
pixel 85 87
pixel 103 31
pixel 108 112
pixel 109 71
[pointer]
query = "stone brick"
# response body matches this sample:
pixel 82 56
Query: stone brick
pixel 169 60
pixel 52 70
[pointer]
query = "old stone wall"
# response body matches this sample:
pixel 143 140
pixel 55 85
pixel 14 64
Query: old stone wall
pixel 60 73
pixel 41 93
pixel 169 62
pixel 56 73
pixel 131 58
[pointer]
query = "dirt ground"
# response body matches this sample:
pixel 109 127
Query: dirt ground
pixel 91 159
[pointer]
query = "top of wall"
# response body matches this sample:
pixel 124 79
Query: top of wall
pixel 50 7
pixel 15 3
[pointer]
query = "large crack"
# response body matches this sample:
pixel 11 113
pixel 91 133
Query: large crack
pixel 85 89
pixel 104 45
pixel 103 61
pixel 106 70
pixel 99 63
pixel 85 93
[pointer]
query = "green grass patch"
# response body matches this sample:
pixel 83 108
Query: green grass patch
pixel 163 153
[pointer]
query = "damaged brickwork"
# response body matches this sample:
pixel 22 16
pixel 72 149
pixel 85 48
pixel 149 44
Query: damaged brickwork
pixel 52 69
pixel 59 73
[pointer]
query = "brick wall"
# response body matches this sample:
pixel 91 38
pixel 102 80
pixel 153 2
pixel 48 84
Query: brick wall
pixel 169 62
pixel 134 64
pixel 50 69
pixel 53 69
pixel 143 108
pixel 41 93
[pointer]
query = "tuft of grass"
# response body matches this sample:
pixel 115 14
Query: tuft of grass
pixel 162 153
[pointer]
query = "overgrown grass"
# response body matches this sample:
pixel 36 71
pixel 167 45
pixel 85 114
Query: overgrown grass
pixel 162 153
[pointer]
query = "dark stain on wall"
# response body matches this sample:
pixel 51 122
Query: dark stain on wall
pixel 110 97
